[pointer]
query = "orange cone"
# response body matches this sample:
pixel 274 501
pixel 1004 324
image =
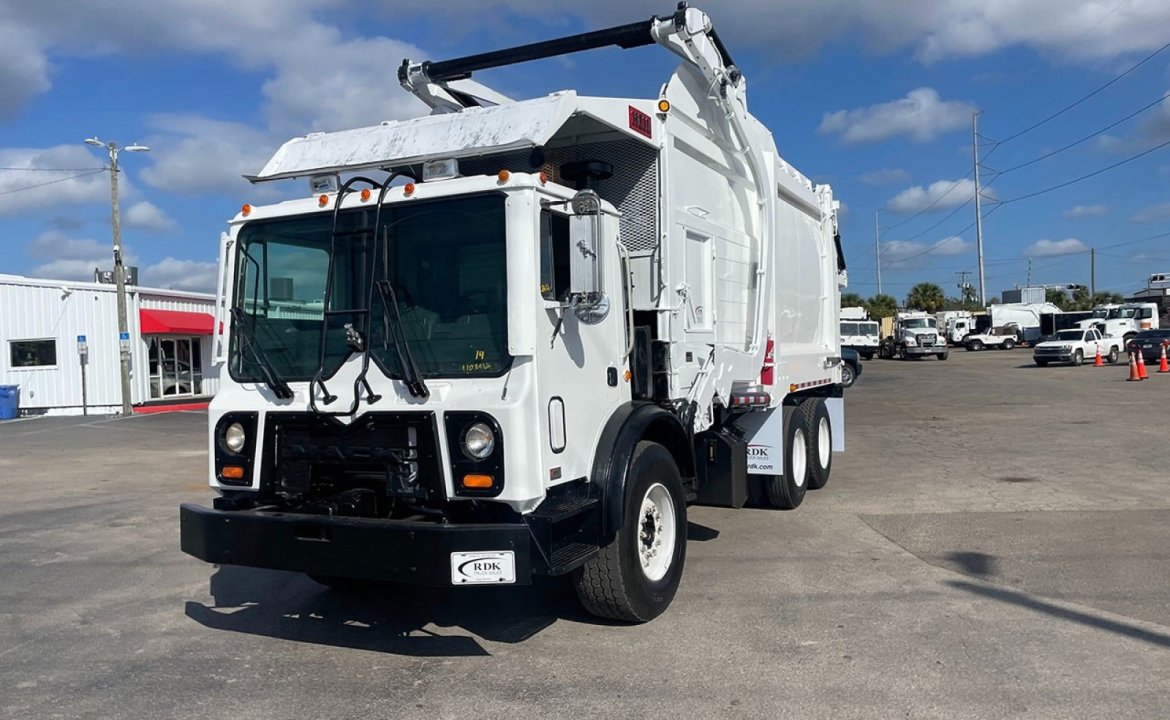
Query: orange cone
pixel 1164 367
pixel 1134 375
pixel 1097 361
pixel 1141 362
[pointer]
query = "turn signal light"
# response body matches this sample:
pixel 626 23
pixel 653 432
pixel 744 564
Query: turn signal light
pixel 323 200
pixel 543 178
pixel 663 106
pixel 477 482
pixel 232 472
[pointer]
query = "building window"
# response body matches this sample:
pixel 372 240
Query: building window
pixel 176 367
pixel 32 353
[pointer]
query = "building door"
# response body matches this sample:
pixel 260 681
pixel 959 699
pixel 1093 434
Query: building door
pixel 176 367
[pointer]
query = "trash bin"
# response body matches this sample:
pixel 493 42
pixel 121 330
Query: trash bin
pixel 9 402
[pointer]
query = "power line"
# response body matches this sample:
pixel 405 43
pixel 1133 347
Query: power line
pixel 51 182
pixel 33 169
pixel 1065 109
pixel 1086 138
pixel 1083 177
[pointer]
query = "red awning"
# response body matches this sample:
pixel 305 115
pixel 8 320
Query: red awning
pixel 173 322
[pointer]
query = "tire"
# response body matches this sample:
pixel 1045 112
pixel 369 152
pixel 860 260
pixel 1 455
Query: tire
pixel 1113 355
pixel 629 580
pixel 786 491
pixel 847 375
pixel 868 356
pixel 943 355
pixel 820 445
pixel 1078 358
pixel 902 352
pixel 1008 344
pixel 1042 363
pixel 975 346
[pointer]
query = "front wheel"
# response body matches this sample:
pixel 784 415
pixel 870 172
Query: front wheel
pixel 787 491
pixel 635 577
pixel 975 346
pixel 868 356
pixel 1078 357
pixel 943 355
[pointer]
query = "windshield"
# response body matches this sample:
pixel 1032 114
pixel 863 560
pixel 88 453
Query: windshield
pixel 869 329
pixel 919 323
pixel 444 259
pixel 1122 312
pixel 1100 313
pixel 1069 335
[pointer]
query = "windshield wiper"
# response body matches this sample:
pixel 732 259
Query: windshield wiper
pixel 271 378
pixel 415 385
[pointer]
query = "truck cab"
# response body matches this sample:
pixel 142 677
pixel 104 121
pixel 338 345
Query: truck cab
pixel 862 336
pixel 1125 320
pixel 915 335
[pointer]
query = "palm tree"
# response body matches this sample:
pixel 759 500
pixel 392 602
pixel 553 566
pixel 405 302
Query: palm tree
pixel 851 299
pixel 926 296
pixel 881 306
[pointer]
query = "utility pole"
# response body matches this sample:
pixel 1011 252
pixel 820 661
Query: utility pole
pixel 1092 272
pixel 978 207
pixel 119 270
pixel 964 286
pixel 877 248
pixel 1029 282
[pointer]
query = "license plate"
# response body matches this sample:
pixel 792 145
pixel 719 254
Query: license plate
pixel 483 568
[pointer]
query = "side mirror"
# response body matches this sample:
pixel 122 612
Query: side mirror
pixel 585 268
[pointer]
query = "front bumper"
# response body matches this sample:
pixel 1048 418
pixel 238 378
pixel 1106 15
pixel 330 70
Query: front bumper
pixel 1053 355
pixel 393 550
pixel 925 349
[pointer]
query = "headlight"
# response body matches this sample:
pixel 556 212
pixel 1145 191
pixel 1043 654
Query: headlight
pixel 1066 348
pixel 234 437
pixel 479 441
pixel 911 341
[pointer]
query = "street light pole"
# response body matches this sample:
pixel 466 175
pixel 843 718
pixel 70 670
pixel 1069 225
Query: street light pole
pixel 119 271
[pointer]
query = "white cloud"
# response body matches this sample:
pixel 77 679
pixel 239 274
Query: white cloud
pixel 70 258
pixel 1085 211
pixel 1050 248
pixel 175 274
pixel 56 176
pixel 1152 214
pixel 146 216
pixel 939 196
pixel 885 176
pixel 195 154
pixel 935 29
pixel 24 68
pixel 922 116
pixel 907 255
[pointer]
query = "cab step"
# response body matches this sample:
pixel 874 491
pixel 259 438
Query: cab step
pixel 568 558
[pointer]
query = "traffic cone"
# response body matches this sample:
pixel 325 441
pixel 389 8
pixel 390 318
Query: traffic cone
pixel 1164 367
pixel 1097 361
pixel 1141 362
pixel 1134 375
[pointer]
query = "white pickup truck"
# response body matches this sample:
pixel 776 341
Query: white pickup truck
pixel 1075 345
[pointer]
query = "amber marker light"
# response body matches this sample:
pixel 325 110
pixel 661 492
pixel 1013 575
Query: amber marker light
pixel 663 106
pixel 246 210
pixel 504 176
pixel 365 194
pixel 323 200
pixel 408 189
pixel 232 472
pixel 543 178
pixel 477 482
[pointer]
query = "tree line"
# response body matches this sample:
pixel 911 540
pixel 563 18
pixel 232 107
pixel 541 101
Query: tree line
pixel 931 298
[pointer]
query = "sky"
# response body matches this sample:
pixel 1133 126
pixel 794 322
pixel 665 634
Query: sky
pixel 875 99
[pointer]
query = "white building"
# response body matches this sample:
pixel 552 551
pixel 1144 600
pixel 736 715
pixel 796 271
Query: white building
pixel 43 321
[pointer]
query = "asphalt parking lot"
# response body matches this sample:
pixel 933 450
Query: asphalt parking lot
pixel 994 544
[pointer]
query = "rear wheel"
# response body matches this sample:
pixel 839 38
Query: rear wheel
pixel 635 577
pixel 975 346
pixel 847 375
pixel 1113 355
pixel 787 491
pixel 1009 344
pixel 820 445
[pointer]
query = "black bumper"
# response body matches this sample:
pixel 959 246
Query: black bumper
pixel 393 550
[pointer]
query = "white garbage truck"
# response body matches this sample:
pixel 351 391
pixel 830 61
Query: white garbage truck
pixel 518 337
